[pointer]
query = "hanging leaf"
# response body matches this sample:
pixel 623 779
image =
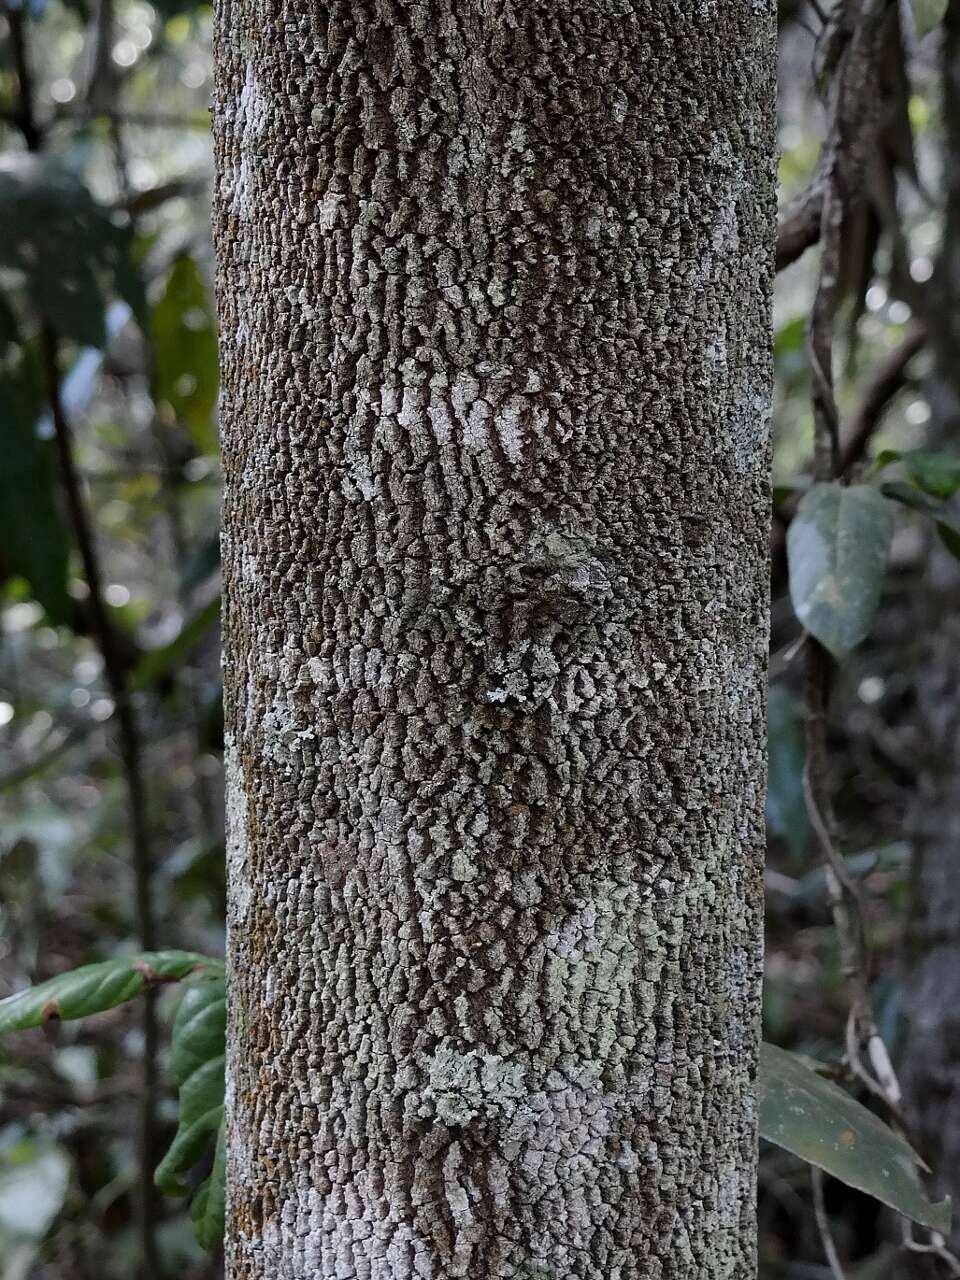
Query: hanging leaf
pixel 66 247
pixel 185 351
pixel 786 807
pixel 817 1121
pixel 96 987
pixel 928 14
pixel 209 1204
pixel 33 537
pixel 837 549
pixel 199 1033
pixel 198 1055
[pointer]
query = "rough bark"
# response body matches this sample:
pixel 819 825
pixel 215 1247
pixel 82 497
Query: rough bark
pixel 931 998
pixel 494 290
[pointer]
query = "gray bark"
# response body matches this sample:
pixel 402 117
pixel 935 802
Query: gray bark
pixel 494 297
pixel 931 997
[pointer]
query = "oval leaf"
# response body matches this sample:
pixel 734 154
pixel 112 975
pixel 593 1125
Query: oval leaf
pixel 837 548
pixel 928 14
pixel 817 1121
pixel 207 1210
pixel 185 351
pixel 65 245
pixel 199 1033
pixel 33 536
pixel 935 473
pixel 95 987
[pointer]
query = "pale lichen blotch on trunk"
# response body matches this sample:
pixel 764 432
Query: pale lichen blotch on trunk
pixel 494 298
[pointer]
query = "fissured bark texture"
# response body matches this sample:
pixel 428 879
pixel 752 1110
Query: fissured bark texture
pixel 494 294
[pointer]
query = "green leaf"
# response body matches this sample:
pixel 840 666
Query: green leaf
pixel 33 537
pixel 199 1033
pixel 886 458
pixel 156 663
pixel 935 473
pixel 949 535
pixel 837 549
pixel 198 1057
pixel 96 987
pixel 65 245
pixel 928 14
pixel 185 351
pixel 786 806
pixel 816 1120
pixel 209 1204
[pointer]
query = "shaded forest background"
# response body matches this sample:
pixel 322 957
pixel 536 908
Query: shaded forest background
pixel 111 823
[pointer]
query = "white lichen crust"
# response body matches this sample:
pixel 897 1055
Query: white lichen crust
pixel 493 283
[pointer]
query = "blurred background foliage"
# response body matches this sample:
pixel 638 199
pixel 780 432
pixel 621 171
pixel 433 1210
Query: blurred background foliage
pixel 110 731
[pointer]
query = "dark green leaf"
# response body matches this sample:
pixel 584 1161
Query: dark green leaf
pixel 949 535
pixel 156 663
pixel 209 1204
pixel 185 351
pixel 786 807
pixel 66 246
pixel 935 473
pixel 837 548
pixel 816 1120
pixel 96 987
pixel 33 537
pixel 198 1055
pixel 198 1062
pixel 886 458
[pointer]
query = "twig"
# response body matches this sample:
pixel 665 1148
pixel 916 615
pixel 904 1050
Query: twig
pixel 823 1224
pixel 886 379
pixel 131 759
pixel 936 1248
pixel 799 225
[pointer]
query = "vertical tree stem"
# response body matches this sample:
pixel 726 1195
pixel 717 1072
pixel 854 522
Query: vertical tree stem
pixel 130 745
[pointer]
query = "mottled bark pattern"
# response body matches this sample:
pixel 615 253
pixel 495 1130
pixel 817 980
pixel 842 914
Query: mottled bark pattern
pixel 931 1000
pixel 494 287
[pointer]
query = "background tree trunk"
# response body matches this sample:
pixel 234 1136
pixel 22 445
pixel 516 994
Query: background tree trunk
pixel 494 306
pixel 931 1001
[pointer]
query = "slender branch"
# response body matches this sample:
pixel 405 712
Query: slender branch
pixel 823 1225
pixel 889 377
pixel 131 759
pixel 799 225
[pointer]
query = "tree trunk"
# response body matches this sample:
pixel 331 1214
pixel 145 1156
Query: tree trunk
pixel 494 295
pixel 931 997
